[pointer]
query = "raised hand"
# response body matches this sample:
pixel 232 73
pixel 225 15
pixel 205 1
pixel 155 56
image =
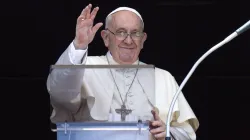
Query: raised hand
pixel 85 31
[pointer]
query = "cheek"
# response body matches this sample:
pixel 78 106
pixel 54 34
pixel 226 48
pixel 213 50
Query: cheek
pixel 114 44
pixel 113 47
pixel 139 45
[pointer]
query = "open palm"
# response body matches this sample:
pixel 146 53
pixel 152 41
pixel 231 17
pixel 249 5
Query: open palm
pixel 85 31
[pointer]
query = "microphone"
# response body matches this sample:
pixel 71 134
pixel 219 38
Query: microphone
pixel 239 31
pixel 243 28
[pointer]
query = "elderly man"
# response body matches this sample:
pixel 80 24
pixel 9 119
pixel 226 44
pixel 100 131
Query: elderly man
pixel 97 95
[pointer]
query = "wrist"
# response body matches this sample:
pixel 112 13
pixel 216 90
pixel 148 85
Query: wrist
pixel 77 46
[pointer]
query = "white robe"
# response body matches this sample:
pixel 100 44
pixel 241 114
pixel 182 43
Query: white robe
pixel 83 95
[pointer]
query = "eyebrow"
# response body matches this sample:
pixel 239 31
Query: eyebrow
pixel 134 30
pixel 121 29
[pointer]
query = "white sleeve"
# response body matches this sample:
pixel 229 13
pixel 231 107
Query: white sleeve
pixel 77 56
pixel 183 132
pixel 64 85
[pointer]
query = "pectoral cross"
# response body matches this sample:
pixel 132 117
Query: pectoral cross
pixel 123 111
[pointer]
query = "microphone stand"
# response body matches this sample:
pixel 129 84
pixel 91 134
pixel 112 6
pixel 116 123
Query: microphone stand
pixel 240 30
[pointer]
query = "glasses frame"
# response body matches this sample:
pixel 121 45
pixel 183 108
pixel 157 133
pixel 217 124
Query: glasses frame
pixel 127 34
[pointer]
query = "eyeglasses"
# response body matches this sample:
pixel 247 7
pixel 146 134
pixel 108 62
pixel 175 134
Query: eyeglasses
pixel 122 35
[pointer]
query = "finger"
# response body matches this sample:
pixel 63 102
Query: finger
pixel 156 123
pixel 160 135
pixel 155 114
pixel 93 13
pixel 157 130
pixel 82 15
pixel 84 24
pixel 96 27
pixel 84 11
pixel 80 19
pixel 88 11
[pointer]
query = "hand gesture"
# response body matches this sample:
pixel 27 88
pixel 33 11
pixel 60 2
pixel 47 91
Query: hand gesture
pixel 157 127
pixel 85 31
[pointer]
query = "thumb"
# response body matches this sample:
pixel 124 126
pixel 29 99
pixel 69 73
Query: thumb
pixel 96 27
pixel 155 113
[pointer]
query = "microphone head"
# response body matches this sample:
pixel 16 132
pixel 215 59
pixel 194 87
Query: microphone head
pixel 243 28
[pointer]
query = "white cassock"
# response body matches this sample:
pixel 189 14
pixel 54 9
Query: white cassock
pixel 90 94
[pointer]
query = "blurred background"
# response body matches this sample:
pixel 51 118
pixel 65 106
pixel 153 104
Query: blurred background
pixel 35 33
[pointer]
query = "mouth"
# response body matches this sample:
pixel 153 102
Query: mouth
pixel 129 48
pixel 126 50
pixel 126 54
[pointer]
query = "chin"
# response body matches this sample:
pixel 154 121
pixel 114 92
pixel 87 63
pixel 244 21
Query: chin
pixel 127 58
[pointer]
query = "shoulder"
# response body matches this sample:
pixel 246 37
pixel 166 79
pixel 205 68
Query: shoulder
pixel 164 75
pixel 161 73
pixel 159 70
pixel 96 60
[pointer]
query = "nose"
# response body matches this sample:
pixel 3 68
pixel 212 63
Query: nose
pixel 128 40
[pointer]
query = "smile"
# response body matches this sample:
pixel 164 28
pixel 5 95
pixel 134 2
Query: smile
pixel 126 48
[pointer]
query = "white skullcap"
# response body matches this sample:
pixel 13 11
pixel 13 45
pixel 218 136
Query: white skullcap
pixel 126 9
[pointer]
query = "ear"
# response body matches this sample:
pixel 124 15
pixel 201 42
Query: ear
pixel 144 39
pixel 105 37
